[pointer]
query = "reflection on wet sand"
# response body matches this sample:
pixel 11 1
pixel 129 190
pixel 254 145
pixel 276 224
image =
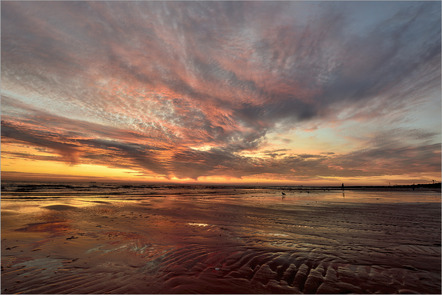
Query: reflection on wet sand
pixel 248 243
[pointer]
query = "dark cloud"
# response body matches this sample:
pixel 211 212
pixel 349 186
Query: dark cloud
pixel 142 156
pixel 385 154
pixel 12 155
pixel 68 151
pixel 74 149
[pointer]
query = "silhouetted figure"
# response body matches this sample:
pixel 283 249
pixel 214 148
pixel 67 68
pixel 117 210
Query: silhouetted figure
pixel 342 186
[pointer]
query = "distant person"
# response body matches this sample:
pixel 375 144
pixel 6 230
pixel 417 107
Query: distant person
pixel 342 186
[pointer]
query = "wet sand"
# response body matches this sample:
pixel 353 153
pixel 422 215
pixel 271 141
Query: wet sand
pixel 254 242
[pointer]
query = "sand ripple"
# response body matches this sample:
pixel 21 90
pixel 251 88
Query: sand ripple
pixel 195 268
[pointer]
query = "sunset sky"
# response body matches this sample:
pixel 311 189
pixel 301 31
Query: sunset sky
pixel 222 92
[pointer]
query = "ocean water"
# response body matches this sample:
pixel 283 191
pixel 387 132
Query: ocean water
pixel 120 191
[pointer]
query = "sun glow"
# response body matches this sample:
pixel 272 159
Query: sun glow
pixel 41 168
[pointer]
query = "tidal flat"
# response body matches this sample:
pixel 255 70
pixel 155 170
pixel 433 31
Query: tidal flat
pixel 108 239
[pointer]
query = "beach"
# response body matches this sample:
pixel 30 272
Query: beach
pixel 164 239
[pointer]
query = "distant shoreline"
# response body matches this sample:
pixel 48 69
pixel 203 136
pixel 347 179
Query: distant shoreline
pixel 32 185
pixel 415 187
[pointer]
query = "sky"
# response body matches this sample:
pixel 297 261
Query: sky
pixel 300 93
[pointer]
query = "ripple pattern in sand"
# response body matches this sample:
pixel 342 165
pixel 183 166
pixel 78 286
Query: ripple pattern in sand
pixel 256 270
pixel 195 268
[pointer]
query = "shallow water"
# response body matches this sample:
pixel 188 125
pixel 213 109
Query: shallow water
pixel 104 238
